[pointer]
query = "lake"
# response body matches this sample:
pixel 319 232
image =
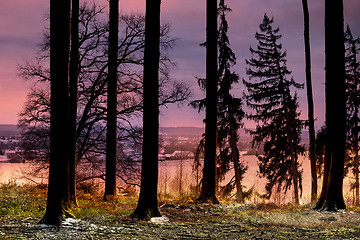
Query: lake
pixel 177 176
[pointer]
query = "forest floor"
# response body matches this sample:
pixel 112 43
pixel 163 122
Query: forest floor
pixel 194 221
pixel 21 209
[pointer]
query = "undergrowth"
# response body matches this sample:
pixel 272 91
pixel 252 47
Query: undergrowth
pixel 22 201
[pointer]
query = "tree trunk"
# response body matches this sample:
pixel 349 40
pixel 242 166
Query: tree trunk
pixel 110 178
pixel 235 157
pixel 356 113
pixel 356 127
pixel 310 101
pixel 59 59
pixel 73 81
pixel 335 106
pixel 148 202
pixel 327 163
pixel 294 170
pixel 209 171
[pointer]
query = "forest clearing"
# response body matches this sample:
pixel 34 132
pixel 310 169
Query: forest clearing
pixel 24 206
pixel 99 165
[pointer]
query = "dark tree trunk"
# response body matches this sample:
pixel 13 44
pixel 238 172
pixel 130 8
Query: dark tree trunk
pixel 209 179
pixel 235 156
pixel 148 202
pixel 335 101
pixel 59 59
pixel 356 149
pixel 310 101
pixel 73 81
pixel 327 163
pixel 110 178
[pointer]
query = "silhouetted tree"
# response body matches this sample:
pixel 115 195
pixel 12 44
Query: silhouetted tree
pixel 310 101
pixel 276 116
pixel 208 187
pixel 111 126
pixel 230 113
pixel 148 203
pixel 352 81
pixel 92 79
pixel 59 121
pixel 332 198
pixel 73 82
pixel 320 150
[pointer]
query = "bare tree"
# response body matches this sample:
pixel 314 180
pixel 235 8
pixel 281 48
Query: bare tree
pixel 310 100
pixel 92 75
pixel 73 82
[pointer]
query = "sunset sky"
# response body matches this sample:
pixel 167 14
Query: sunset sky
pixel 22 23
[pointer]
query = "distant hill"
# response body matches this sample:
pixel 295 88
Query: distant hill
pixel 195 131
pixel 8 130
pixel 182 131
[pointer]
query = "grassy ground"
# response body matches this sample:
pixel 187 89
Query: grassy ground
pixel 21 208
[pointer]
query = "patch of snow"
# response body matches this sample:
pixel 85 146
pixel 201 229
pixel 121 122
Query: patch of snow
pixel 159 220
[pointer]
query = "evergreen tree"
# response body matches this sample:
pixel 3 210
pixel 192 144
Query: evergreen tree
pixel 229 108
pixel 352 81
pixel 276 115
pixel 230 113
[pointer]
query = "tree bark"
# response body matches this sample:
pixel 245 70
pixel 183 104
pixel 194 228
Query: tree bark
pixel 209 171
pixel 310 101
pixel 148 203
pixel 335 102
pixel 59 59
pixel 73 82
pixel 110 179
pixel 235 156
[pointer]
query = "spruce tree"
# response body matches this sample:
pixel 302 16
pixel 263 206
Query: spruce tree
pixel 230 113
pixel 352 81
pixel 229 109
pixel 278 125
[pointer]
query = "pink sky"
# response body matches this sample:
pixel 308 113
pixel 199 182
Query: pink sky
pixel 22 23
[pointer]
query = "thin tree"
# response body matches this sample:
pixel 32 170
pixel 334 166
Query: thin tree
pixel 208 187
pixel 111 136
pixel 276 115
pixel 148 203
pixel 332 198
pixel 59 59
pixel 230 113
pixel 73 85
pixel 352 81
pixel 310 101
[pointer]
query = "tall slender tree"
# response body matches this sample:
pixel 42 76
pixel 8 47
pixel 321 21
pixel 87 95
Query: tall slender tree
pixel 276 115
pixel 352 78
pixel 111 136
pixel 73 85
pixel 59 59
pixel 332 198
pixel 148 203
pixel 208 187
pixel 310 101
pixel 230 113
